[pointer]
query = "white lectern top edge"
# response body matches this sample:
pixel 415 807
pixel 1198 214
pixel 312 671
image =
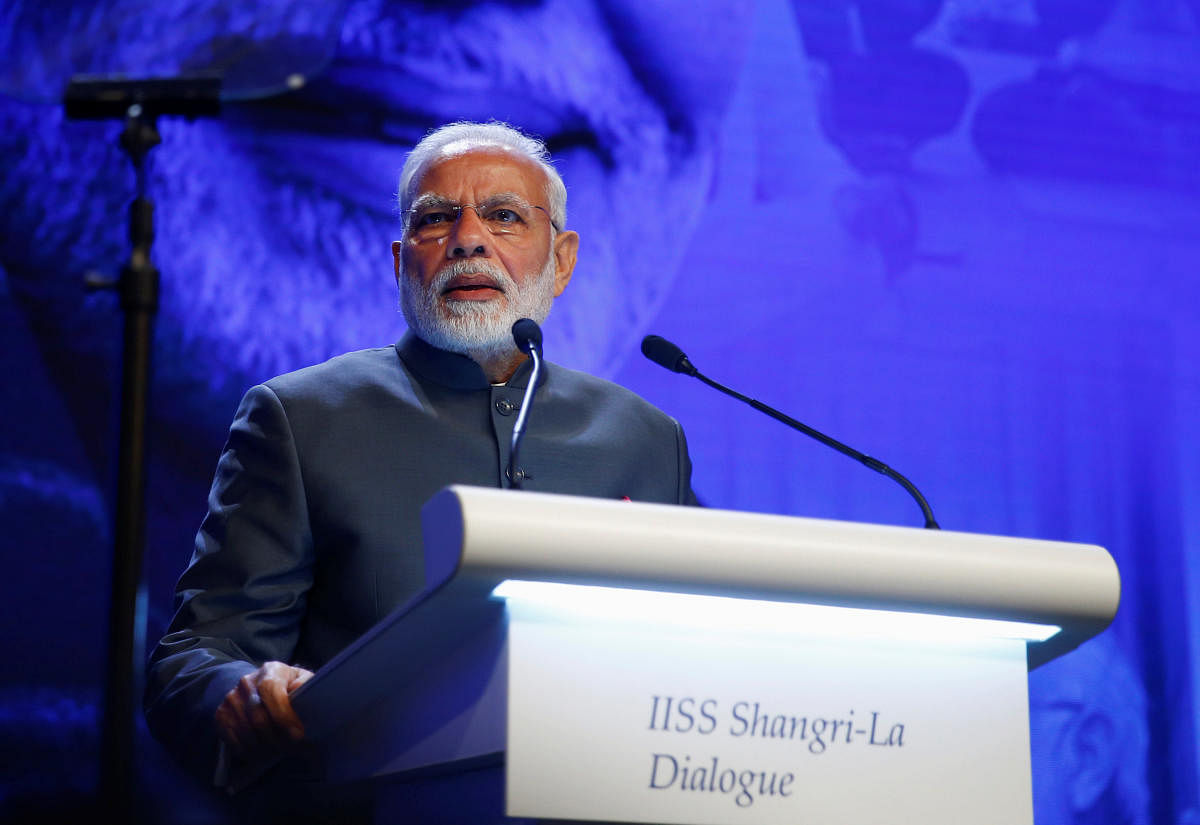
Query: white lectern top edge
pixel 489 535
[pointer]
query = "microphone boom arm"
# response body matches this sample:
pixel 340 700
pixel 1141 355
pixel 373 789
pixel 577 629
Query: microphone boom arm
pixel 874 463
pixel 668 356
pixel 528 338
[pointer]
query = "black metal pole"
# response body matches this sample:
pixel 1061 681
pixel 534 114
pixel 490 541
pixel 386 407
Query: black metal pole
pixel 139 101
pixel 138 287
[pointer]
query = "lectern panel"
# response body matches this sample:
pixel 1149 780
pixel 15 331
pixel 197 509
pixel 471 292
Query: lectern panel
pixel 628 722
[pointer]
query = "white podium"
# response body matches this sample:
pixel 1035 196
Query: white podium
pixel 628 662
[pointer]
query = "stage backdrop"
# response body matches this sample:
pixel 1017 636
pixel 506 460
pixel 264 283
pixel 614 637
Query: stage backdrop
pixel 961 236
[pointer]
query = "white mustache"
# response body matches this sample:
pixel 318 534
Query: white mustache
pixel 499 279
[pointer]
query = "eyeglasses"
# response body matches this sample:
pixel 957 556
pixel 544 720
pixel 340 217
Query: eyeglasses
pixel 431 217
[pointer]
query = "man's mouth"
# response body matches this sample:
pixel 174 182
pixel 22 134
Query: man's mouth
pixel 472 288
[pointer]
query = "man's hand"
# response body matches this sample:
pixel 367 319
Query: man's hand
pixel 256 717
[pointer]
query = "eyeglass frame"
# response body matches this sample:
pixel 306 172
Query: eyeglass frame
pixel 456 209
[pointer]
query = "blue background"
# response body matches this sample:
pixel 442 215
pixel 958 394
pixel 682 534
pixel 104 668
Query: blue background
pixel 959 236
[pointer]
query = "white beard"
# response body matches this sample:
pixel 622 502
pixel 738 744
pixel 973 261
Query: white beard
pixel 481 330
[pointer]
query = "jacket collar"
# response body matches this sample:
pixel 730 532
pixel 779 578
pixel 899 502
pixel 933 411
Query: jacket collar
pixel 451 369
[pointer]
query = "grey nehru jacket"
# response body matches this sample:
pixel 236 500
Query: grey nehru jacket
pixel 313 530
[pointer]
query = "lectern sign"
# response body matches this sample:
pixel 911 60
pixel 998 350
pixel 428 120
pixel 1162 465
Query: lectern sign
pixel 641 722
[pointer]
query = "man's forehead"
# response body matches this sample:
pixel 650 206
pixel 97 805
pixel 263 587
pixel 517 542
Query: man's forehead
pixel 486 167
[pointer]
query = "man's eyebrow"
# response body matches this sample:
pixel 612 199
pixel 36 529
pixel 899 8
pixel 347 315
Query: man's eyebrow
pixel 432 200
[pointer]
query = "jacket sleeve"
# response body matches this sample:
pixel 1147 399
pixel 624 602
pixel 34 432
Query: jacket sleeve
pixel 686 495
pixel 241 600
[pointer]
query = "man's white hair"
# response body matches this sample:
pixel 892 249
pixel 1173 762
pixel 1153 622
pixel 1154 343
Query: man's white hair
pixel 458 138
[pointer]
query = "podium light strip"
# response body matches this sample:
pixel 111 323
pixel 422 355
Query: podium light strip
pixel 573 602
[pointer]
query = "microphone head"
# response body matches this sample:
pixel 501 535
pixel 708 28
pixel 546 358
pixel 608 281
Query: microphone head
pixel 667 355
pixel 527 334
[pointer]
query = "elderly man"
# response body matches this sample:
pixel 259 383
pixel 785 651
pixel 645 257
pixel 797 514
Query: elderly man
pixel 312 534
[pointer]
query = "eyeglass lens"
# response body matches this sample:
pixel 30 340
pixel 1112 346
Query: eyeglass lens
pixel 501 216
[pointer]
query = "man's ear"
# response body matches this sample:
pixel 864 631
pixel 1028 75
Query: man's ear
pixel 397 248
pixel 566 248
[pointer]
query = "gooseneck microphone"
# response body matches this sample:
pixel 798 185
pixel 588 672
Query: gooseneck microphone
pixel 528 337
pixel 667 355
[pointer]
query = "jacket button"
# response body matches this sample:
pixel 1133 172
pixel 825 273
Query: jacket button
pixel 505 407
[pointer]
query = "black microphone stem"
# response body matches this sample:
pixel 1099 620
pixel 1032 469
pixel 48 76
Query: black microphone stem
pixel 874 463
pixel 515 474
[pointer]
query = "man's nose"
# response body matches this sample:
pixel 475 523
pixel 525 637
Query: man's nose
pixel 469 238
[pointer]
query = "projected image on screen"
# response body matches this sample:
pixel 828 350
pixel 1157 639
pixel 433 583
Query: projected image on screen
pixel 960 235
